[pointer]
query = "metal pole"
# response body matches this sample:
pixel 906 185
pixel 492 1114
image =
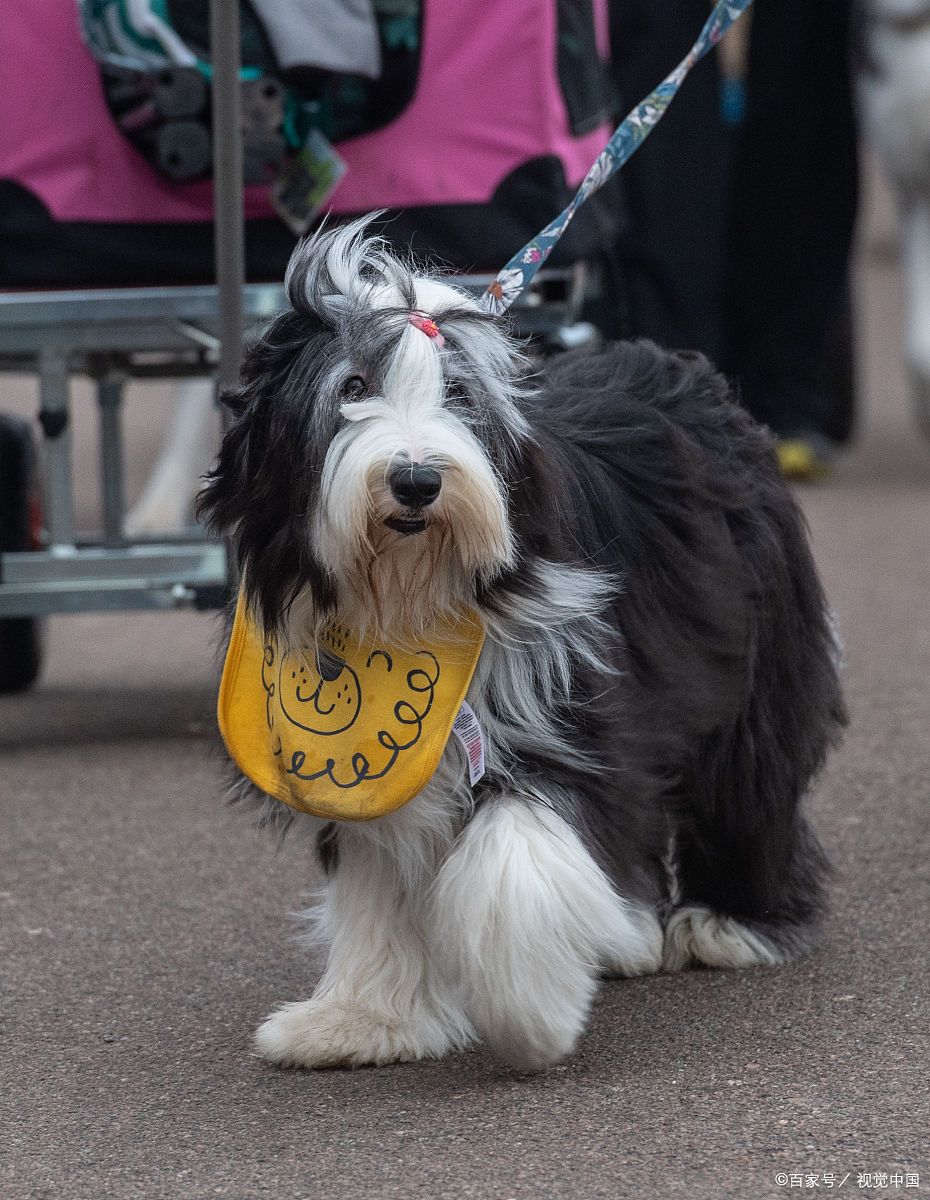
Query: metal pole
pixel 55 417
pixel 110 399
pixel 229 247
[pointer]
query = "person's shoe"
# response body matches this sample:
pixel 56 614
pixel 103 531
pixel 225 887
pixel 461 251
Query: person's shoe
pixel 807 457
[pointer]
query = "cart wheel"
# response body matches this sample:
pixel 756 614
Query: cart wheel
pixel 20 522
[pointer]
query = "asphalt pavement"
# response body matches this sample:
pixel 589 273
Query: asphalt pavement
pixel 146 930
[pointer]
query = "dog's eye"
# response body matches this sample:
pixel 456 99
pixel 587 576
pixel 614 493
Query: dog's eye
pixel 354 388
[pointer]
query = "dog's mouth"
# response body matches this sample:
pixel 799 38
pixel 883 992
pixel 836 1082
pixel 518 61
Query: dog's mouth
pixel 406 526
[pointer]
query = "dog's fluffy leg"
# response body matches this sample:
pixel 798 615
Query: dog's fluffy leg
pixel 525 921
pixel 379 1000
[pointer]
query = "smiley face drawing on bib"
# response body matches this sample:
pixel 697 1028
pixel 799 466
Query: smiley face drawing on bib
pixel 318 690
pixel 345 722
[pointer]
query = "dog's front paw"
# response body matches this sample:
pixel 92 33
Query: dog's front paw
pixel 327 1032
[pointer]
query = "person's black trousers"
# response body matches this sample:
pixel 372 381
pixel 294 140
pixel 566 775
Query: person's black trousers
pixel 739 235
pixel 793 209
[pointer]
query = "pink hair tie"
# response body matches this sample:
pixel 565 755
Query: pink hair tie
pixel 428 326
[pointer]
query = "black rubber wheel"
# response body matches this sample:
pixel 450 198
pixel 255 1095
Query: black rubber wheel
pixel 20 637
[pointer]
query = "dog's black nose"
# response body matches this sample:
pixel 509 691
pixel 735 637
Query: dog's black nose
pixel 414 485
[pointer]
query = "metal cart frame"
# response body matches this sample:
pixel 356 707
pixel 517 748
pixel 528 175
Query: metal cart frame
pixel 113 336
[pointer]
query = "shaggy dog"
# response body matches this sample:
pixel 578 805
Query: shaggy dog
pixel 657 686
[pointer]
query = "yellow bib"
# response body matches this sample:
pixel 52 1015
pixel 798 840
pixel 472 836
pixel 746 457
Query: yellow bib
pixel 348 734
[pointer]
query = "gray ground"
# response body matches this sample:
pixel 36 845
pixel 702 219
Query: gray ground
pixel 145 932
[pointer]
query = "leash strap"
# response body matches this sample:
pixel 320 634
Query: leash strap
pixel 629 136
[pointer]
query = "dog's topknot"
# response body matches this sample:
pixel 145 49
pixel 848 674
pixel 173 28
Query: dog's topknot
pixel 347 269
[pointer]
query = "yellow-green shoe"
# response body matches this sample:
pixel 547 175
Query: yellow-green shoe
pixel 803 458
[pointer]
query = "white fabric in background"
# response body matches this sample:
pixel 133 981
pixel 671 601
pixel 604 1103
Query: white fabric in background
pixel 337 35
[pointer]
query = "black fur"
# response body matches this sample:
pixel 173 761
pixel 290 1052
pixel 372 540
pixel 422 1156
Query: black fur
pixel 729 698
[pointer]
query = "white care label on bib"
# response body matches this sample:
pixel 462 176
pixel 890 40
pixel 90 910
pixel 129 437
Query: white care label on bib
pixel 468 731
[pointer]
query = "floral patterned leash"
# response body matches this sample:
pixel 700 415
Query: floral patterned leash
pixel 629 136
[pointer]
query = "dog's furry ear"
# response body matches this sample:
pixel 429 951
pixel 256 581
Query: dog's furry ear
pixel 240 470
pixel 243 494
pixel 244 499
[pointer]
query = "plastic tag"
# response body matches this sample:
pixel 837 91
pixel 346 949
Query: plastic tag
pixel 468 731
pixel 307 182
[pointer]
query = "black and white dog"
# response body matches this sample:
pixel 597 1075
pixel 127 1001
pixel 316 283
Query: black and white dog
pixel 657 685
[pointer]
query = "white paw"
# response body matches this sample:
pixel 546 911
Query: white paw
pixel 328 1032
pixel 697 935
pixel 636 945
pixel 535 1040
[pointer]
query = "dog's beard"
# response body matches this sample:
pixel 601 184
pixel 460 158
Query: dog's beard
pixel 393 584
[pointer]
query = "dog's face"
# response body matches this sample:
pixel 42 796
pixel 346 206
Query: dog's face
pixel 376 429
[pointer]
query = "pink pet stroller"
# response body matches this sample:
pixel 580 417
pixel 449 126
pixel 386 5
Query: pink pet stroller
pixel 480 123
